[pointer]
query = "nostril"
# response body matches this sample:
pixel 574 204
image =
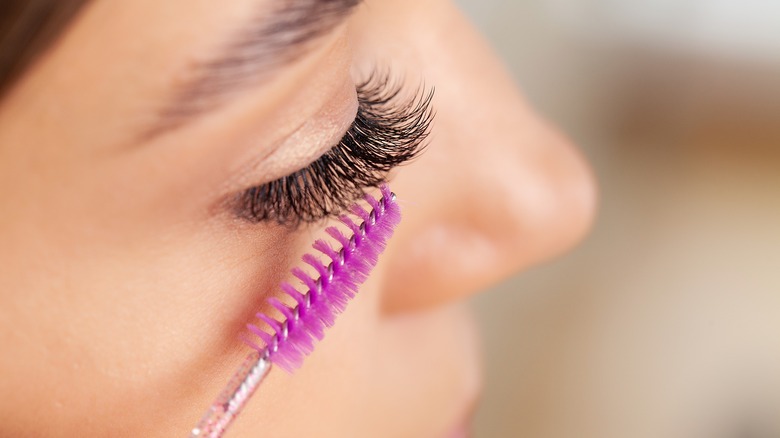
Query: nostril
pixel 445 262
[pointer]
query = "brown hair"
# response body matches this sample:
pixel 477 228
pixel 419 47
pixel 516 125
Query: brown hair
pixel 27 29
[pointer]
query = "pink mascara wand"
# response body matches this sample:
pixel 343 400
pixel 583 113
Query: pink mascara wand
pixel 292 339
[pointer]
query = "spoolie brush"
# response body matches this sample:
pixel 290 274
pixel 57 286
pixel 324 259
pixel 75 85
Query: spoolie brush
pixel 288 341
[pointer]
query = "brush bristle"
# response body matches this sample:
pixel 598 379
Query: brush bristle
pixel 289 341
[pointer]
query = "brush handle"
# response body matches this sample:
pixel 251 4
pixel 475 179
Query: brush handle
pixel 233 398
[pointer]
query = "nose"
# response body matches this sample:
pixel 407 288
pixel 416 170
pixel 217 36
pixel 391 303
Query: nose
pixel 497 190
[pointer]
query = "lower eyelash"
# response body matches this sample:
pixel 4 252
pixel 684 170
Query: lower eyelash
pixel 389 130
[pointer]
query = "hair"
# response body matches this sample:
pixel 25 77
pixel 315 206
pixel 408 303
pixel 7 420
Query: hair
pixel 27 29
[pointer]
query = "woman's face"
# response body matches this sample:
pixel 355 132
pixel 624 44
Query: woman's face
pixel 126 278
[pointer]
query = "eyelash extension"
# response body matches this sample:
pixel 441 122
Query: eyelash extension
pixel 388 130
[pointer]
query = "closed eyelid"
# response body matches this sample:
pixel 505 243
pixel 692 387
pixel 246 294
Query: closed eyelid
pixel 389 130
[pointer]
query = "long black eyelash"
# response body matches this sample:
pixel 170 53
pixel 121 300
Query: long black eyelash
pixel 388 130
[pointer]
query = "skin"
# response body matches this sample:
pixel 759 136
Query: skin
pixel 125 280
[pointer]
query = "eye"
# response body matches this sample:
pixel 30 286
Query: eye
pixel 388 130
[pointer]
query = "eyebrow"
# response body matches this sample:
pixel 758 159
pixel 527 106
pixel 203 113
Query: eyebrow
pixel 268 42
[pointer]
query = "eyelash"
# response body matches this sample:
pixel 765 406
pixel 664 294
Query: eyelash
pixel 388 130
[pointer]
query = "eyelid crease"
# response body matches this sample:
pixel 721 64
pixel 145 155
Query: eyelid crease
pixel 294 138
pixel 389 130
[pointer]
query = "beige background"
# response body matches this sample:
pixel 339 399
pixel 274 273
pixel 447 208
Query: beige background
pixel 666 321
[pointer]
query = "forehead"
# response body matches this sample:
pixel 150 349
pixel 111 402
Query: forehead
pixel 122 56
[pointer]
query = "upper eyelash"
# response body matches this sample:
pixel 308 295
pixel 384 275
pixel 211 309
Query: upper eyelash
pixel 388 130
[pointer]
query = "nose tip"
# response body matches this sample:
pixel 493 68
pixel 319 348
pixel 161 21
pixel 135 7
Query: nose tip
pixel 547 203
pixel 489 217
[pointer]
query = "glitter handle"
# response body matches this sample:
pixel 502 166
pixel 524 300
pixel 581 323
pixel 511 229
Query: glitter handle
pixel 233 398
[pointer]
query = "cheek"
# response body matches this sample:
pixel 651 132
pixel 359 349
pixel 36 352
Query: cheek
pixel 369 366
pixel 121 330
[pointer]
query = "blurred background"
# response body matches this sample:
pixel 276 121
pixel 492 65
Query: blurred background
pixel 665 322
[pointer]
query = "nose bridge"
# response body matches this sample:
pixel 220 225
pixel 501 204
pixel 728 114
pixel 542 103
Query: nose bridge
pixel 497 190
